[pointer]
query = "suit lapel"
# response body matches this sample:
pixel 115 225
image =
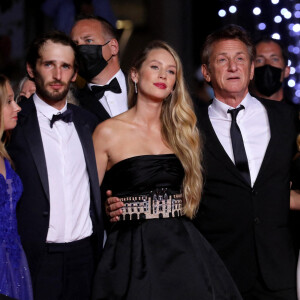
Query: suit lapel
pixel 33 136
pixel 84 134
pixel 89 101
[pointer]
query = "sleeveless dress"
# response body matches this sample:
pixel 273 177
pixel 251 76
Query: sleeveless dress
pixel 162 258
pixel 15 279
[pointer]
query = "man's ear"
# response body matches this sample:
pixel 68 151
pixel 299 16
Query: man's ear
pixel 252 71
pixel 73 79
pixel 29 71
pixel 205 72
pixel 287 70
pixel 114 47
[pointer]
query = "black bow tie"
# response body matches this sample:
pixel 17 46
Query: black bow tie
pixel 112 86
pixel 66 116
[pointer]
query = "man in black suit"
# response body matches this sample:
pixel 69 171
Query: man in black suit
pixel 244 210
pixel 105 91
pixel 59 214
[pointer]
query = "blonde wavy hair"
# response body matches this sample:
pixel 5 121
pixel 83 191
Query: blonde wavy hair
pixel 3 99
pixel 179 128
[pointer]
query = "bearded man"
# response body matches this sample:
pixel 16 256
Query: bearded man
pixel 59 214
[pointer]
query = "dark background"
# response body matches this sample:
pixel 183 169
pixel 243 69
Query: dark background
pixel 182 23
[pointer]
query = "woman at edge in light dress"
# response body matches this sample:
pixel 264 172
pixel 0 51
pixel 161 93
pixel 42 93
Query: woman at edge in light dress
pixel 14 273
pixel 150 157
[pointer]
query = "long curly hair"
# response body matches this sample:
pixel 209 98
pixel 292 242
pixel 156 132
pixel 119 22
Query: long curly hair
pixel 179 128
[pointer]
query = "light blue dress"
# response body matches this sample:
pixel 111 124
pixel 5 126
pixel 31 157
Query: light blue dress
pixel 15 279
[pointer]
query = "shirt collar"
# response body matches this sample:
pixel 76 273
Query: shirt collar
pixel 220 108
pixel 117 75
pixel 45 109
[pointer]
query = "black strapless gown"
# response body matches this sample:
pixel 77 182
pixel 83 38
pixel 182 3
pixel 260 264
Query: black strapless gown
pixel 158 258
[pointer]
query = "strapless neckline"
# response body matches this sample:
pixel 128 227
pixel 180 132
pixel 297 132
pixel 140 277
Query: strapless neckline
pixel 142 156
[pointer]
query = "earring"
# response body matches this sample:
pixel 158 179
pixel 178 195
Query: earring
pixel 135 87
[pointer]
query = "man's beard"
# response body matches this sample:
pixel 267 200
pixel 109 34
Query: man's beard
pixel 50 96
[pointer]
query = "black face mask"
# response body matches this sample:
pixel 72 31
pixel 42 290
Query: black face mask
pixel 21 99
pixel 267 79
pixel 91 61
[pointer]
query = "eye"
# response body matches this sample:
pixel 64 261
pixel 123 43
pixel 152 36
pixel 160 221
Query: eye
pixel 89 41
pixel 66 66
pixel 171 72
pixel 221 60
pixel 154 67
pixel 47 64
pixel 275 59
pixel 259 60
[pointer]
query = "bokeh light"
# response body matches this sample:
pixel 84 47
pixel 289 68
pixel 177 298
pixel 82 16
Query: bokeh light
pixel 232 9
pixel 257 11
pixel 261 26
pixel 276 36
pixel 277 19
pixel 222 13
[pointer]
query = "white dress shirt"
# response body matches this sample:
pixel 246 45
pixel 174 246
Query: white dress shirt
pixel 113 103
pixel 254 125
pixel 68 179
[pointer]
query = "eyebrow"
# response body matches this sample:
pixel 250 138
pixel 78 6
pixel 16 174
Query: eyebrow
pixel 87 36
pixel 226 53
pixel 64 63
pixel 154 60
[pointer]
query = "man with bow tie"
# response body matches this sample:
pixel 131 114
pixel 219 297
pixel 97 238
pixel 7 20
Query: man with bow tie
pixel 59 214
pixel 105 91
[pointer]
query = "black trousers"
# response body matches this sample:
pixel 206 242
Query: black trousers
pixel 260 292
pixel 65 272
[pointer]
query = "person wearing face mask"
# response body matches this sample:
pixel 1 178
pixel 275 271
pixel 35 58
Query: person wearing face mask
pixel 270 70
pixel 104 92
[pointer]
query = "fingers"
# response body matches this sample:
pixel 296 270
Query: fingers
pixel 113 207
pixel 112 200
pixel 115 219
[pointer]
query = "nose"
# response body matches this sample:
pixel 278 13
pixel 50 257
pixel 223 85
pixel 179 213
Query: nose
pixel 232 65
pixel 162 74
pixel 57 73
pixel 17 108
pixel 28 94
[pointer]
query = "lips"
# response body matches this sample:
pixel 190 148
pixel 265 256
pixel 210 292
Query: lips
pixel 56 86
pixel 233 78
pixel 160 85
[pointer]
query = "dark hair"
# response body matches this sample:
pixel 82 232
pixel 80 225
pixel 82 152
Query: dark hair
pixel 55 36
pixel 228 32
pixel 268 39
pixel 108 28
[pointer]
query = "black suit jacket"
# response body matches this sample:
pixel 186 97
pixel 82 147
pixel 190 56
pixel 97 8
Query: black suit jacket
pixel 88 101
pixel 27 152
pixel 249 227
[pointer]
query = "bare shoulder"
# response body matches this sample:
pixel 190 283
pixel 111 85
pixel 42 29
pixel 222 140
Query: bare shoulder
pixel 111 128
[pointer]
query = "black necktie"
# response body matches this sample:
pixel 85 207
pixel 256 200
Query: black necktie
pixel 66 116
pixel 239 152
pixel 113 86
